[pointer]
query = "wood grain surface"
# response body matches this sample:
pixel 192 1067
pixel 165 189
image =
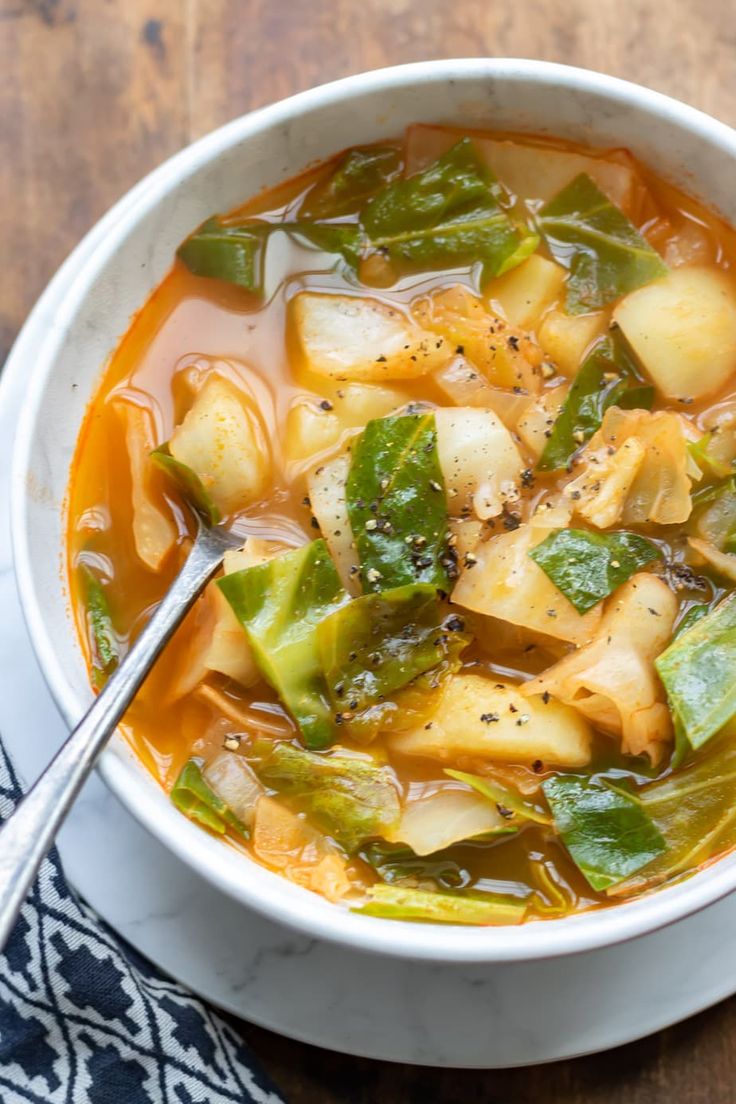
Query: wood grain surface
pixel 95 93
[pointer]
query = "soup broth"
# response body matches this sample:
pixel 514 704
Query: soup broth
pixel 470 401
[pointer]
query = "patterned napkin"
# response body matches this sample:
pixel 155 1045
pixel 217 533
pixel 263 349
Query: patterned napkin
pixel 85 1020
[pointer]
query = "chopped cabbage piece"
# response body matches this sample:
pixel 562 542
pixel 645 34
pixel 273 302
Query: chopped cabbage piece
pixel 505 355
pixel 634 471
pixel 448 816
pixel 464 385
pixel 724 563
pixel 611 680
pixel 502 580
pixel 399 903
pixel 218 641
pixel 327 497
pixel 695 810
pixel 353 798
pixel 193 796
pixel 280 604
pixel 154 531
pixel 287 843
pixel 537 422
pixel 532 170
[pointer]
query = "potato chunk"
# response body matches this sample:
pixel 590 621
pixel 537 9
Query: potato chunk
pixel 565 338
pixel 535 424
pixel 683 328
pixel 310 429
pixel 355 404
pixel 487 719
pixel 612 680
pixel 347 337
pixel 506 583
pixel 479 460
pixel 221 439
pixel 526 292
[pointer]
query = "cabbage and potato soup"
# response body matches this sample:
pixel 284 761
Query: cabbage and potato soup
pixel 470 401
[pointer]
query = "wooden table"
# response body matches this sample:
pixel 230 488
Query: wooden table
pixel 94 93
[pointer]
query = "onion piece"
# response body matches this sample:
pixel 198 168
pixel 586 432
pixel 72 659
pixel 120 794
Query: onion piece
pixel 232 779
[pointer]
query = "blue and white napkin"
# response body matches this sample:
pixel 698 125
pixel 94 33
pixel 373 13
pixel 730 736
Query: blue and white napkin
pixel 84 1019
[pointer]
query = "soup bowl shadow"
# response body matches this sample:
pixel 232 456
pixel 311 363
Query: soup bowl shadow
pixel 133 249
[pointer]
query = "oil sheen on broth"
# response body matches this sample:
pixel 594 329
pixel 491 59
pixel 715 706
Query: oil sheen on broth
pixel 541 340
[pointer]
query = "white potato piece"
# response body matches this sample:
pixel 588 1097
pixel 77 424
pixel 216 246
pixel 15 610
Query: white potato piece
pixel 480 463
pixel 612 680
pixel 565 338
pixel 222 440
pixel 524 294
pixel 635 470
pixel 683 329
pixel 310 429
pixel 535 424
pixel 352 338
pixel 326 488
pixel 154 531
pixel 531 170
pixel 464 385
pixel 356 404
pixel 447 816
pixel 506 583
pixel 506 355
pixel 485 718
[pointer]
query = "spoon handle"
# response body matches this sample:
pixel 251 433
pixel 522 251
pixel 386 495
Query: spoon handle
pixel 29 833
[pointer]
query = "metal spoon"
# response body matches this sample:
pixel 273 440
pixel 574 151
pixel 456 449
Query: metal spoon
pixel 29 833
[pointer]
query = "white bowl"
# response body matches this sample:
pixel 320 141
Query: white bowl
pixel 128 261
